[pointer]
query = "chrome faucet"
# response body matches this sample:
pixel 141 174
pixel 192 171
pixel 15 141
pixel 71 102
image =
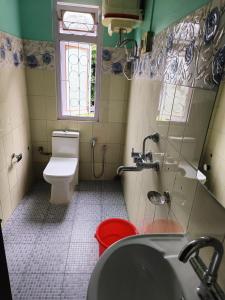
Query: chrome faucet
pixel 140 165
pixel 122 169
pixel 154 137
pixel 142 160
pixel 209 277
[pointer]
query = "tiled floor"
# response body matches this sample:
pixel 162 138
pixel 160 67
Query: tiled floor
pixel 51 250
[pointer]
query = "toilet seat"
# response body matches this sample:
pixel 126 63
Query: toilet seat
pixel 61 167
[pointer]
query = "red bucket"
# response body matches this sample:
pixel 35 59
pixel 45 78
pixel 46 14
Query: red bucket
pixel 113 230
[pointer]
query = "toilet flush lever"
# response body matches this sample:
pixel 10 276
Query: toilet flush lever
pixel 18 157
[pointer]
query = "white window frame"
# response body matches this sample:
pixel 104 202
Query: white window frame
pixel 96 11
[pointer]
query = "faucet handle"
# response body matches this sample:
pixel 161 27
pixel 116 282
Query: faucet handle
pixel 135 154
pixel 149 156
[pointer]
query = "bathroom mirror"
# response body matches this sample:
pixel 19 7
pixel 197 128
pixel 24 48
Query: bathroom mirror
pixel 212 162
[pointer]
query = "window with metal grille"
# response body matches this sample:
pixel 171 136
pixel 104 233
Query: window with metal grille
pixel 78 61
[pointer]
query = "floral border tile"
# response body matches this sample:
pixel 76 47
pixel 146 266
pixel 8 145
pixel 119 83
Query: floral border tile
pixel 39 54
pixel 182 54
pixel 113 60
pixel 11 50
pixel 190 52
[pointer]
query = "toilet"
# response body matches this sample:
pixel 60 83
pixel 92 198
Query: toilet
pixel 62 170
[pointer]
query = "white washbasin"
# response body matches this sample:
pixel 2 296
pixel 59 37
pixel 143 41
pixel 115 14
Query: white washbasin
pixel 143 267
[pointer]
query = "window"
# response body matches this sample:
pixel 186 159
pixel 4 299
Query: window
pixel 78 61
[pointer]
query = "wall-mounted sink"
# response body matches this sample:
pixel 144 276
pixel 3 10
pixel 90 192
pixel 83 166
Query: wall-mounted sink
pixel 144 267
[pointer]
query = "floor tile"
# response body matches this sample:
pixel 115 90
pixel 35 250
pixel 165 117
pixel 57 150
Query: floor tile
pixel 114 212
pixel 84 231
pixel 18 257
pixel 51 249
pixel 33 215
pixel 55 232
pixel 82 257
pixel 60 213
pixel 89 198
pixel 15 284
pixel 48 258
pixel 112 198
pixel 88 212
pixel 75 286
pixel 21 231
pixel 39 286
pixel 90 186
pixel 31 209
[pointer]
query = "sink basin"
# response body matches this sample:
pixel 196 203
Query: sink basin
pixel 142 268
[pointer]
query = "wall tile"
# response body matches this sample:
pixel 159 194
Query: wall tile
pixel 105 85
pixel 14 131
pixel 103 111
pixel 85 172
pixel 35 82
pixel 39 130
pixel 175 98
pixel 113 153
pixel 42 87
pixel 5 120
pixel 100 130
pixel 116 133
pixel 2 156
pixel 4 185
pixel 49 83
pixel 51 108
pixel 5 81
pixel 37 107
pixel 86 132
pixel 118 88
pixel 110 171
pixel 85 152
pixel 117 111
pixel 36 156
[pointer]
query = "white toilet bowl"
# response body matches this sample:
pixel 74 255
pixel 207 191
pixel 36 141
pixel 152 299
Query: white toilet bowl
pixel 62 169
pixel 62 174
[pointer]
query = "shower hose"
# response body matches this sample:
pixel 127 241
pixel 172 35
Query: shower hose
pixel 93 159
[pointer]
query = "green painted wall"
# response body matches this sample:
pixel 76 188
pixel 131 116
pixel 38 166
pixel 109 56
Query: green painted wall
pixel 148 11
pixel 37 23
pixel 36 19
pixel 32 19
pixel 9 17
pixel 165 12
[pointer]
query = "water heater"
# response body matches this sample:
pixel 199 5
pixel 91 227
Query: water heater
pixel 121 15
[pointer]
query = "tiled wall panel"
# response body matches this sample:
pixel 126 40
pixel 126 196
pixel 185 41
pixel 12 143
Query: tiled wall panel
pixel 15 178
pixel 173 92
pixel 42 96
pixel 109 130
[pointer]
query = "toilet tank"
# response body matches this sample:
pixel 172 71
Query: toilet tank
pixel 65 143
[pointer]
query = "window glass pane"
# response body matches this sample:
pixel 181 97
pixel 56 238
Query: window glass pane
pixel 76 21
pixel 78 78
